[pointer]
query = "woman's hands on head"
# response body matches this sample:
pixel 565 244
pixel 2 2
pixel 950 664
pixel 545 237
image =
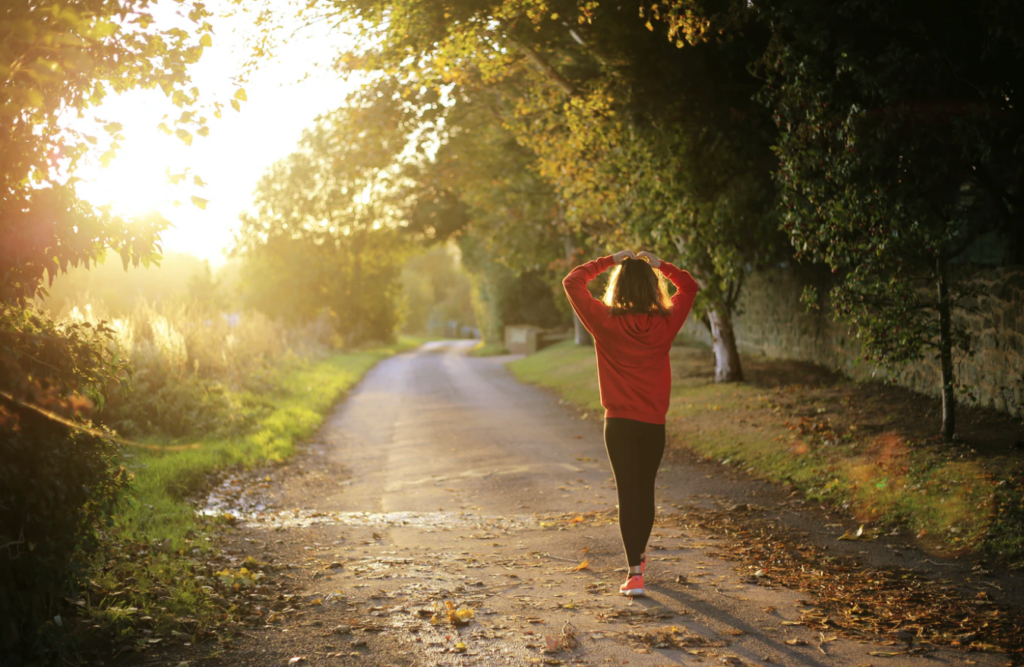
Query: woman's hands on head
pixel 623 255
pixel 650 258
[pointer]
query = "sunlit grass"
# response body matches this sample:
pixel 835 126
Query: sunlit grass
pixel 152 560
pixel 483 349
pixel 165 482
pixel 955 502
pixel 117 617
pixel 566 368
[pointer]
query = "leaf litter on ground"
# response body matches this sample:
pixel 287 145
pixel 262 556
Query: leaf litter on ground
pixel 566 641
pixel 853 599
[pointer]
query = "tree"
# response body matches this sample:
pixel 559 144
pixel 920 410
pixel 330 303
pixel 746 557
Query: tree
pixel 502 296
pixel 640 141
pixel 325 235
pixel 57 60
pixel 63 58
pixel 901 142
pixel 512 234
pixel 436 291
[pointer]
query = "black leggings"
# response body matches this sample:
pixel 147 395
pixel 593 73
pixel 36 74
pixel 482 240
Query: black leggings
pixel 634 449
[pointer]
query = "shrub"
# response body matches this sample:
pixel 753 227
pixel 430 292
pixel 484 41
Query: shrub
pixel 192 367
pixel 196 374
pixel 56 489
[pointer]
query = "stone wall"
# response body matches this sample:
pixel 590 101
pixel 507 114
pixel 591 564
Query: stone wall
pixel 773 322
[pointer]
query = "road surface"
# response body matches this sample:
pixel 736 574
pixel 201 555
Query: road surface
pixel 442 478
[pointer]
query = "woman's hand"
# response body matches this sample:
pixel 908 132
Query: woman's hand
pixel 651 258
pixel 622 255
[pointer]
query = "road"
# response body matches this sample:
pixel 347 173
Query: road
pixel 442 478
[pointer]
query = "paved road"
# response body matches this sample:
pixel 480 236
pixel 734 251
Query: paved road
pixel 443 478
pixel 437 429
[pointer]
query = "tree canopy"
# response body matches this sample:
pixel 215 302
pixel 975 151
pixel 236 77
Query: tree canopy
pixel 325 233
pixel 638 142
pixel 58 62
pixel 900 146
pixel 880 139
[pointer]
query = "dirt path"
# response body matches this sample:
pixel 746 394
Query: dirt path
pixel 442 479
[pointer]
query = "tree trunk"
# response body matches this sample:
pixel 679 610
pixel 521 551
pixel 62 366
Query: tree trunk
pixel 581 336
pixel 580 333
pixel 723 342
pixel 946 353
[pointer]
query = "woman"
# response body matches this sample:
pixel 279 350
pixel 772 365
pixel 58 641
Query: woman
pixel 633 330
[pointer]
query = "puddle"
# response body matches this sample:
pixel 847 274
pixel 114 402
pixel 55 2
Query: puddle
pixel 302 518
pixel 238 496
pixel 430 520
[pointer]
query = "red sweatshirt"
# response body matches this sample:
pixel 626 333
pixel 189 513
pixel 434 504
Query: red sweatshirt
pixel 632 350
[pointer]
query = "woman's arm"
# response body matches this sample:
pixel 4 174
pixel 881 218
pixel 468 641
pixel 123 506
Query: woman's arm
pixel 589 309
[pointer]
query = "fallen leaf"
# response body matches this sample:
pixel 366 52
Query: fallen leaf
pixel 859 534
pixel 450 612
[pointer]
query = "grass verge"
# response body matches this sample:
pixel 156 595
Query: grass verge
pixel 158 557
pixel 483 349
pixel 866 447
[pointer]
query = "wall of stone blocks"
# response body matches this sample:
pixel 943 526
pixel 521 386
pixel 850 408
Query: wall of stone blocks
pixel 774 322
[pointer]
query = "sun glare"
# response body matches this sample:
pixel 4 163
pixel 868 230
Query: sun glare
pixel 282 101
pixel 136 181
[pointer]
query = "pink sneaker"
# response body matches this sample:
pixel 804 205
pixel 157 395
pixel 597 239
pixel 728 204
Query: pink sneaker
pixel 643 564
pixel 634 586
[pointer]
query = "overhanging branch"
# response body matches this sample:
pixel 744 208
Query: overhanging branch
pixel 543 66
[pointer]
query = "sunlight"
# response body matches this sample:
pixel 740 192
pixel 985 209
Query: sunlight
pixel 284 97
pixel 136 181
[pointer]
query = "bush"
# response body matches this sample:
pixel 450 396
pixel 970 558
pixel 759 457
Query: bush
pixel 193 368
pixel 185 407
pixel 197 374
pixel 56 489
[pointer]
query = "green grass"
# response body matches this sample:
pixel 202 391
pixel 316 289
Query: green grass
pixel 164 482
pixel 570 370
pixel 483 349
pixel 157 544
pixel 834 440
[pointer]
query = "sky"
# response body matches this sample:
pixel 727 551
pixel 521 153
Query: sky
pixel 282 101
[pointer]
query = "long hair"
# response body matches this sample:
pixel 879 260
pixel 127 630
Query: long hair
pixel 634 287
